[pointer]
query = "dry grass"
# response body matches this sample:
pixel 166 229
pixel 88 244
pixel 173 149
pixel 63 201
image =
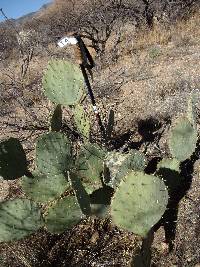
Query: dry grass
pixel 183 32
pixel 153 75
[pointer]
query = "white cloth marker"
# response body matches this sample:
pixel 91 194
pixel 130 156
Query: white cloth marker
pixel 67 40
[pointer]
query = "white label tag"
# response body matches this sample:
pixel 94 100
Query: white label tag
pixel 66 41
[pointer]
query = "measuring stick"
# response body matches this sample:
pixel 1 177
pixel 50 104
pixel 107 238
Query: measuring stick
pixel 85 57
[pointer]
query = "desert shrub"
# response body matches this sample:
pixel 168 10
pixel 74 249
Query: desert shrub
pixel 99 21
pixel 8 42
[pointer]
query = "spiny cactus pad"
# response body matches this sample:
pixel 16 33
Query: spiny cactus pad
pixel 120 165
pixel 53 154
pixel 81 194
pixel 182 139
pixel 56 119
pixel 42 188
pixel 167 163
pixel 136 160
pixel 139 202
pixel 90 164
pixel 63 215
pixel 12 159
pixel 81 121
pixel 63 83
pixel 19 218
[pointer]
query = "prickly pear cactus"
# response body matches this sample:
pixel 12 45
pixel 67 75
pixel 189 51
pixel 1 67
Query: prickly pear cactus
pixel 81 194
pixel 13 162
pixel 53 154
pixel 64 214
pixel 42 188
pixel 63 83
pixel 139 202
pixel 182 139
pixel 172 164
pixel 19 218
pixel 89 165
pixel 81 121
pixel 136 160
pixel 120 165
pixel 56 119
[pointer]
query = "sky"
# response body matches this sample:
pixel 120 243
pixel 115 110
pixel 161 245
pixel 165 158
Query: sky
pixel 17 8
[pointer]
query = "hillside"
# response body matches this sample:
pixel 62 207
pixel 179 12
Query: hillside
pixel 146 66
pixel 27 17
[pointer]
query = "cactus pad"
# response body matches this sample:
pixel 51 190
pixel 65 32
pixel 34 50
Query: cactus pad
pixel 53 154
pixel 81 121
pixel 172 164
pixel 56 119
pixel 182 139
pixel 139 202
pixel 12 159
pixel 136 160
pixel 42 188
pixel 63 215
pixel 63 83
pixel 90 164
pixel 81 194
pixel 19 218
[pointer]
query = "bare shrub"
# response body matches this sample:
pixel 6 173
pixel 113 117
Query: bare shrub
pixel 8 41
